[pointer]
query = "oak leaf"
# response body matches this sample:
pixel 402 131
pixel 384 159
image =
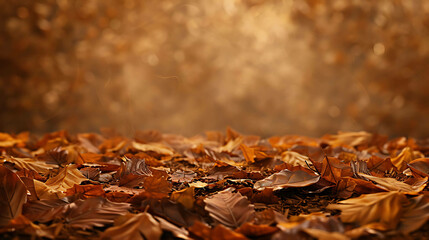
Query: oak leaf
pixel 229 209
pixel 13 195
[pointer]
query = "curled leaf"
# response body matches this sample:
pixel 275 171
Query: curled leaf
pixel 287 178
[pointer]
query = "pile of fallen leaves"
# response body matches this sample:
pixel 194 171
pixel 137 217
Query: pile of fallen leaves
pixel 218 186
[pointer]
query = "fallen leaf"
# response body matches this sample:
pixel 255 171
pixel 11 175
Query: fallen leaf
pixel 392 184
pixel 93 212
pixel 416 213
pixel 66 178
pixel 256 231
pixel 183 176
pixel 404 157
pixel 185 197
pixel 384 207
pixel 165 225
pixel 229 209
pixel 31 164
pixel 349 138
pixel 153 147
pixel 287 178
pixel 420 166
pixel 332 169
pixel 296 159
pixel 86 191
pixel 158 182
pixel 248 153
pixel 134 226
pixel 221 232
pixel 13 195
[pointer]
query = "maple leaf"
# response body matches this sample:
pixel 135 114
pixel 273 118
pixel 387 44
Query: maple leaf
pixel 13 195
pixel 384 207
pixel 134 226
pixel 287 178
pixel 229 209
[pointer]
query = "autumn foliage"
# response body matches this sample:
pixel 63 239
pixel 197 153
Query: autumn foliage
pixel 217 186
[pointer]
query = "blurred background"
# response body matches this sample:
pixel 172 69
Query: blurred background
pixel 269 67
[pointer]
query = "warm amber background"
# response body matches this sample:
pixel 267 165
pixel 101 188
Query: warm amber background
pixel 262 67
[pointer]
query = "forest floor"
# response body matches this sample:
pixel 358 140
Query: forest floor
pixel 351 185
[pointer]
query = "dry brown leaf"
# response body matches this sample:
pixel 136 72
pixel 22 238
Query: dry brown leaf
pixel 248 153
pixel 416 213
pixel 350 138
pixel 134 226
pixel 165 225
pixel 324 235
pixel 385 208
pixel 185 197
pixel 287 178
pixel 153 147
pixel 229 209
pixel 404 157
pixel 296 159
pixel 392 184
pixel 420 166
pixel 31 164
pixel 66 178
pixel 86 191
pixel 7 140
pixel 13 195
pixel 231 145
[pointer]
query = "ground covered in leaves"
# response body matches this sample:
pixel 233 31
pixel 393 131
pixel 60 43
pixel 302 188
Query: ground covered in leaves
pixel 215 186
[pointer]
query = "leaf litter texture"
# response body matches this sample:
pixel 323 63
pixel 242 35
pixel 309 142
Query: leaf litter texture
pixel 218 186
